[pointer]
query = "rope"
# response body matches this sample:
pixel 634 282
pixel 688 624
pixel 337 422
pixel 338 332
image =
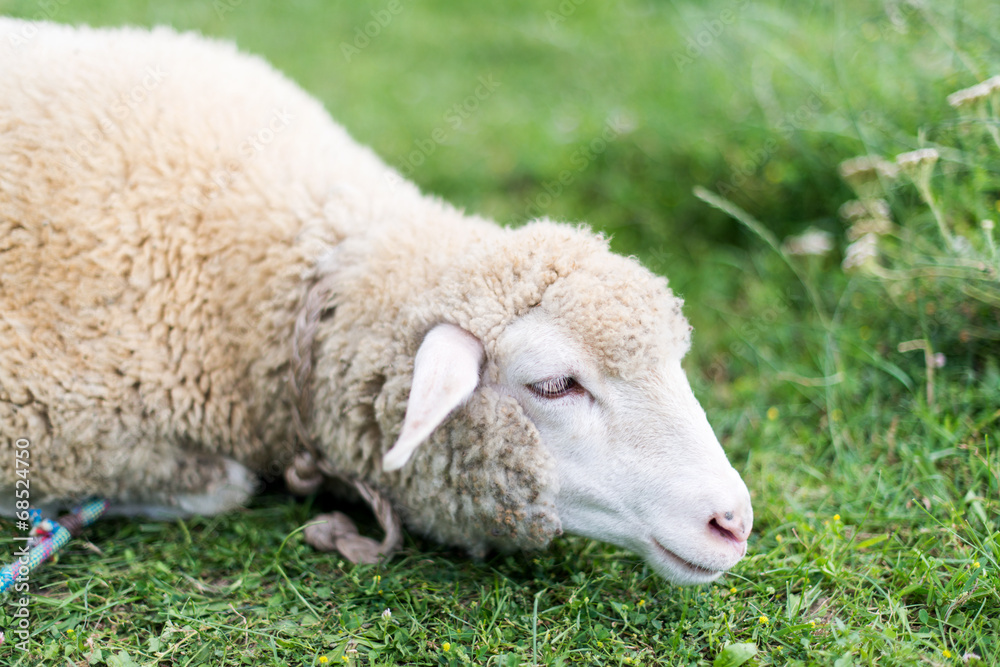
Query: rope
pixel 48 537
pixel 336 531
pixel 308 471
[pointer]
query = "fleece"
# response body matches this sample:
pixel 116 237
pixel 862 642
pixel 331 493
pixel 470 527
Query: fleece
pixel 167 206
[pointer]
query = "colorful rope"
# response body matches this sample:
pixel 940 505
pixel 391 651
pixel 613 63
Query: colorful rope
pixel 47 537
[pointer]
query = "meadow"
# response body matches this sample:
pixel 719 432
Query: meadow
pixel 846 344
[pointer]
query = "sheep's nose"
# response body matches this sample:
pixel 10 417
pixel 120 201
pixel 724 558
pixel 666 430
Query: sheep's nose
pixel 732 525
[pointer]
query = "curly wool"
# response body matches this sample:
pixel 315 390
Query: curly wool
pixel 484 479
pixel 156 254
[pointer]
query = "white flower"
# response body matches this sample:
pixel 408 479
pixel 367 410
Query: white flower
pixel 861 252
pixel 810 242
pixel 866 167
pixel 917 157
pixel 874 208
pixel 963 246
pixel 987 225
pixel 387 614
pixel 621 121
pixel 939 360
pixel 865 226
pixel 866 174
pixel 972 95
pixel 919 165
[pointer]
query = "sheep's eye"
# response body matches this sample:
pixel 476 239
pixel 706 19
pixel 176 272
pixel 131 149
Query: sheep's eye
pixel 556 387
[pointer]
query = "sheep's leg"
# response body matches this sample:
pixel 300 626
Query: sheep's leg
pixel 196 485
pixel 218 484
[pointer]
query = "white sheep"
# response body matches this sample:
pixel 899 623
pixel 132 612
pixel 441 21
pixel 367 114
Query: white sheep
pixel 202 277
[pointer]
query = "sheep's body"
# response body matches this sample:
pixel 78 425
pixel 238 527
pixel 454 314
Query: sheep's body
pixel 151 269
pixel 166 206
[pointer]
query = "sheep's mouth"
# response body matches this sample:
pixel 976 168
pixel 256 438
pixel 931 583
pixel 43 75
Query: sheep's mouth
pixel 684 564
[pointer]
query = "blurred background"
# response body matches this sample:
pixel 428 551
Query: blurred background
pixel 765 97
pixel 847 314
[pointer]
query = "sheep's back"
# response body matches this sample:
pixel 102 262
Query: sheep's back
pixel 162 198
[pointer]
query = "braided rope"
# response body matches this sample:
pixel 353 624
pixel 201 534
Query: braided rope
pixel 308 471
pixel 48 537
pixel 336 531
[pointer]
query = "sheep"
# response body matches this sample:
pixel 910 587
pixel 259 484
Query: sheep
pixel 204 281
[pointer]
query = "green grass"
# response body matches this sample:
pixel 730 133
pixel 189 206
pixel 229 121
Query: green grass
pixel 877 532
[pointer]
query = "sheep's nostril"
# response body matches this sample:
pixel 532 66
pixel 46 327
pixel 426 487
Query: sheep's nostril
pixel 728 527
pixel 723 532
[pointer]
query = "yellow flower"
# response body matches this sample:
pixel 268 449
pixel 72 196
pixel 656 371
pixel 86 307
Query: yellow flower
pixel 778 537
pixel 642 602
pixel 836 517
pixel 772 413
pixel 733 589
pixel 345 658
pixel 946 653
pixel 976 564
pixel 378 578
pixel 71 630
pixel 763 620
pixel 812 624
pixel 323 660
pixel 446 647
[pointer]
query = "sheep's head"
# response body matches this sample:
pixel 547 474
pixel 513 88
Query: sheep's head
pixel 637 462
pixel 588 361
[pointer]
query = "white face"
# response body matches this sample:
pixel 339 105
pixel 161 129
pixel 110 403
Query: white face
pixel 638 463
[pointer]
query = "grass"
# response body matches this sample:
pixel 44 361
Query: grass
pixel 877 532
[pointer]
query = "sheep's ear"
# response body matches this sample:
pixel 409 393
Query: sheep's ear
pixel 445 373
